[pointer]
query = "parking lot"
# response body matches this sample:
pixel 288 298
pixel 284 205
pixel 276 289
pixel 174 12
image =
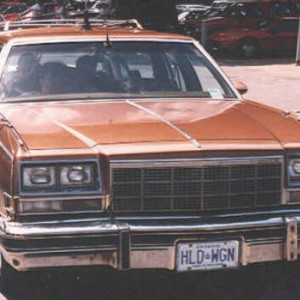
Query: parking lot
pixel 271 81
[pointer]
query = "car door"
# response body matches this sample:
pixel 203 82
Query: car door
pixel 284 34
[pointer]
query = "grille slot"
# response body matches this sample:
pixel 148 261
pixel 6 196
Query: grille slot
pixel 205 187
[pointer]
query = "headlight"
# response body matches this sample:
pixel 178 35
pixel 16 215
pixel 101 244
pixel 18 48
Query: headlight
pixel 296 167
pixel 76 175
pixel 294 172
pixel 39 176
pixel 60 177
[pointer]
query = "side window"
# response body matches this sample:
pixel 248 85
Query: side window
pixel 10 10
pixel 286 9
pixel 275 10
pixel 255 10
pixel 294 9
pixel 283 10
pixel 233 11
pixel 288 26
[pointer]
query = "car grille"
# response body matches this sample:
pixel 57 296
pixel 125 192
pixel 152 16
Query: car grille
pixel 197 186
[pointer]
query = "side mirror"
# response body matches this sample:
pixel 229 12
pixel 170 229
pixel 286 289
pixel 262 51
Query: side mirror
pixel 240 86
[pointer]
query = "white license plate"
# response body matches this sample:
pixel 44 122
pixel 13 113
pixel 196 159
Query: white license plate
pixel 207 255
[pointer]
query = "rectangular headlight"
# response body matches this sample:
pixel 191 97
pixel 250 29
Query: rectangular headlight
pixel 62 177
pixel 39 177
pixel 293 166
pixel 77 175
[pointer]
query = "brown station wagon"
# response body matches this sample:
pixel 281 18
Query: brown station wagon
pixel 129 148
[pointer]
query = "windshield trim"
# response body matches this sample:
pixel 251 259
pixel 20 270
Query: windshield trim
pixel 218 72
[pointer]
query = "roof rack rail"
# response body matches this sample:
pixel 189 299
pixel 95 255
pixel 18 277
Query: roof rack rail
pixel 6 26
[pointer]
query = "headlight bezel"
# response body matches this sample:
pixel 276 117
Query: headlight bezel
pixel 59 189
pixel 293 176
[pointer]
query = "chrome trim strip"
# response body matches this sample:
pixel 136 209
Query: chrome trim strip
pixel 87 141
pixel 168 122
pixel 194 161
pixel 272 222
pixel 6 151
pixel 21 231
pixel 73 39
pixel 66 198
pixel 83 138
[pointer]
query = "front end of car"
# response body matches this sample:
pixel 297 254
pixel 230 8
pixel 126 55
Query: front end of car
pixel 186 213
pixel 175 171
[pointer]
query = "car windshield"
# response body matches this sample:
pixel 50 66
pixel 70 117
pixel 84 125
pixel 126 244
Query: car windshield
pixel 3 8
pixel 95 69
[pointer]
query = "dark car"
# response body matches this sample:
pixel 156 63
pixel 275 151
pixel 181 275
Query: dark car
pixel 265 37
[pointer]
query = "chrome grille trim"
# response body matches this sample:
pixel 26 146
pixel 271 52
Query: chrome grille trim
pixel 135 163
pixel 256 190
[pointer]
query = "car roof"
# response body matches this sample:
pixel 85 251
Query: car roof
pixel 77 32
pixel 12 3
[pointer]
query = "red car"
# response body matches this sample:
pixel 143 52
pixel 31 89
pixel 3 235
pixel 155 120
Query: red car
pixel 280 34
pixel 240 14
pixel 11 10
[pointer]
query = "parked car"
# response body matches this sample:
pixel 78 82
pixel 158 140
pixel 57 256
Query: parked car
pixel 11 10
pixel 191 7
pixel 265 37
pixel 230 14
pixel 130 148
pixel 185 20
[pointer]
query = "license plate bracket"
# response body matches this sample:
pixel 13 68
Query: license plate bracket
pixel 208 255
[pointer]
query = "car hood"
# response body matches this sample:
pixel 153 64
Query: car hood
pixel 195 123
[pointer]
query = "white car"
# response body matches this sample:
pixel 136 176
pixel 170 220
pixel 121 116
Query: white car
pixel 191 7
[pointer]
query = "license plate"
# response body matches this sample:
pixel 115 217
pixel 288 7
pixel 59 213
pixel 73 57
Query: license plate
pixel 207 255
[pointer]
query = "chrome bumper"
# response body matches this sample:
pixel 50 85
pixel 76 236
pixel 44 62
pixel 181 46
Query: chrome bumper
pixel 132 245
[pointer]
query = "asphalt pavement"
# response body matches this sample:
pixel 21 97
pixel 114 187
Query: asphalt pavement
pixel 274 82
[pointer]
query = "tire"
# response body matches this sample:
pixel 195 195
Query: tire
pixel 248 48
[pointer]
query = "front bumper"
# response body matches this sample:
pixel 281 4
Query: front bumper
pixel 146 244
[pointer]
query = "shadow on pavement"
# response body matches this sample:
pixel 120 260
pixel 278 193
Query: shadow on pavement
pixel 251 283
pixel 278 59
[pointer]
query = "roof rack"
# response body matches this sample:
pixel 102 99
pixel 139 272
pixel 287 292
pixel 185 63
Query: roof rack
pixel 6 26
